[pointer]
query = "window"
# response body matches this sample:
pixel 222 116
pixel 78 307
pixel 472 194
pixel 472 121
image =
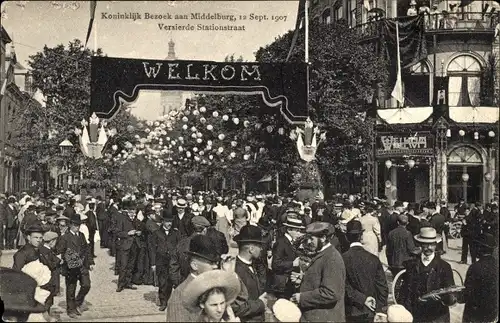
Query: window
pixel 416 85
pixel 351 11
pixel 326 17
pixel 338 13
pixel 464 81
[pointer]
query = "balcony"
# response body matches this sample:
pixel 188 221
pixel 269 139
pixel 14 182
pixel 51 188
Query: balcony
pixel 462 22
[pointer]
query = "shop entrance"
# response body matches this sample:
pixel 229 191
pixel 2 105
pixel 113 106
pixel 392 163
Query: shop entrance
pixel 461 161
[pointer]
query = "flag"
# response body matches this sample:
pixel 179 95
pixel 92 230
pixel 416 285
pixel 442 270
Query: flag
pixel 93 5
pixel 397 91
pixel 300 17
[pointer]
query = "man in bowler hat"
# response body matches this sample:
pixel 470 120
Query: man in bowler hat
pixel 78 261
pixel 163 243
pixel 366 285
pixel 202 258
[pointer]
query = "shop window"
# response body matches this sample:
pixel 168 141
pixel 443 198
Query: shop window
pixel 338 13
pixel 464 86
pixel 465 160
pixel 326 17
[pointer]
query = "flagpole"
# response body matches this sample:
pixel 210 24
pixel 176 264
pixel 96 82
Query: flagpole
pixel 95 37
pixel 306 56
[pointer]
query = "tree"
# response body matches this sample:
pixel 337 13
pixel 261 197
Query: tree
pixel 343 75
pixel 62 74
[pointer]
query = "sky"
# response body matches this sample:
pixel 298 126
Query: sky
pixel 33 24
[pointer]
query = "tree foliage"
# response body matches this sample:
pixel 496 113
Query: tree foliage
pixel 62 74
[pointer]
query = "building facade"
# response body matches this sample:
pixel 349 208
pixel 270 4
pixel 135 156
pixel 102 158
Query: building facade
pixel 171 100
pixel 16 95
pixel 442 141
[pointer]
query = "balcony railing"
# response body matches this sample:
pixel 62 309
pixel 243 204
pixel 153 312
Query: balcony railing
pixel 461 21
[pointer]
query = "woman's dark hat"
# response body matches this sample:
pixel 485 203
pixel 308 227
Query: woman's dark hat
pixel 249 234
pixel 264 223
pixel 203 247
pixel 75 219
pixel 17 291
pixel 354 227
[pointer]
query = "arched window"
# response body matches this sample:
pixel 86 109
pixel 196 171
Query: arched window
pixel 326 17
pixel 464 81
pixel 465 155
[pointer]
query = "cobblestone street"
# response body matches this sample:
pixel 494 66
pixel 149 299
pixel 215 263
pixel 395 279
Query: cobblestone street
pixel 106 305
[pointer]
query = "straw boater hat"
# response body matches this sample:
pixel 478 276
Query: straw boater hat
pixel 428 235
pixel 286 311
pixel 181 203
pixel 293 221
pixel 226 280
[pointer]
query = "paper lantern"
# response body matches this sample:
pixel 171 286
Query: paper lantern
pixel 236 120
pixel 234 143
pixel 180 138
pixel 487 177
pixel 246 157
pixel 225 117
pixel 476 135
pixel 199 134
pixel 209 143
pixel 491 134
pixel 199 140
pixel 465 177
pixel 247 148
pixel 215 114
pixel 269 129
pixel 193 129
pixel 130 128
pixel 222 136
pixel 184 127
pixel 193 135
pixel 184 119
pixel 114 147
pixel 210 127
pixel 233 154
pixel 203 109
pixel 187 112
pixel 461 133
pixel 220 150
pixel 203 120
pixel 195 149
pixel 281 131
pixel 211 157
pixel 246 123
pixel 388 163
pixel 411 163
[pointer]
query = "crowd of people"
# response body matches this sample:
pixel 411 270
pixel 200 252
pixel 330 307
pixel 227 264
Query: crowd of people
pixel 251 258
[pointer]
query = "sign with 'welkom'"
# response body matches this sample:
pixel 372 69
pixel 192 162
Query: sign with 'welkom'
pixel 391 144
pixel 281 85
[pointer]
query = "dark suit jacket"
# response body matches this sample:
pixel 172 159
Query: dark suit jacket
pixel 184 226
pixel 91 221
pixel 163 246
pixel 481 293
pixel 49 258
pixel 400 245
pixel 78 244
pixel 69 212
pixel 282 264
pixel 437 221
pixel 413 225
pixel 10 217
pixel 364 277
pixel 254 309
pixel 179 267
pixel 421 280
pixel 100 211
pixel 219 239
pixel 123 226
pixel 322 291
pixel 24 255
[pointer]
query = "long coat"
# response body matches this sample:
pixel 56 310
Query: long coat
pixel 179 267
pixel 364 277
pixel 76 243
pixel 176 312
pixel 184 225
pixel 254 309
pixel 282 264
pixel 25 255
pixel 322 291
pixel 400 244
pixel 421 280
pixel 219 239
pixel 481 292
pixel 371 233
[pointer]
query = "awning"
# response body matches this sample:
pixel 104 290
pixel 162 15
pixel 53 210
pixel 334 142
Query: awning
pixel 265 179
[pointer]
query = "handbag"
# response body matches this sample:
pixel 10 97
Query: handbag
pixel 73 259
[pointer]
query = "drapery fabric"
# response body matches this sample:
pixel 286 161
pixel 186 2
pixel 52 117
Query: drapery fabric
pixel 473 89
pixel 454 90
pixel 412 44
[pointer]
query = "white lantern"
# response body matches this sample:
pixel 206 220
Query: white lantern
pixel 203 109
pixel 233 154
pixel 196 158
pixel 193 135
pixel 184 119
pixel 210 127
pixel 211 157
pixel 476 135
pixel 196 112
pixel 195 149
pixel 411 163
pixel 491 134
pixel 236 120
pixel 130 128
pixel 225 117
pixel 209 143
pixel 193 129
pixel 262 150
pixel 222 136
pixel 114 147
pixel 281 131
pixel 465 177
pixel 247 148
pixel 461 133
pixel 448 133
pixel 388 163
pixel 220 150
pixel 187 112
pixel 199 134
pixel 269 129
pixel 184 127
pixel 202 153
pixel 203 120
pixel 234 143
pixel 246 123
pixel 199 140
pixel 215 114
pixel 246 157
pixel 180 138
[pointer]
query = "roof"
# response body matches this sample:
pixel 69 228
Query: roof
pixel 5 36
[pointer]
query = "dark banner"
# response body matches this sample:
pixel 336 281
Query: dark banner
pixel 399 144
pixel 281 85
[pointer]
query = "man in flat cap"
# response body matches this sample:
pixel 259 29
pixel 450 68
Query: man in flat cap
pixel 322 291
pixel 179 264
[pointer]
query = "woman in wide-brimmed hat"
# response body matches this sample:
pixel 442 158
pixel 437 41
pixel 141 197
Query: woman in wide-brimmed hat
pixel 210 294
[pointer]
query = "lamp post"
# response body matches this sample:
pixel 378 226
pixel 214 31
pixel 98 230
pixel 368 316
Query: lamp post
pixel 65 147
pixel 465 179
